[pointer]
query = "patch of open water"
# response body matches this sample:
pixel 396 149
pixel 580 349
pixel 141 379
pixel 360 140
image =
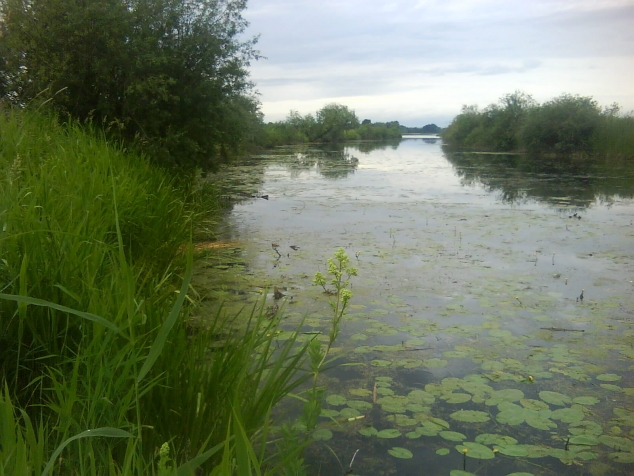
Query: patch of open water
pixel 466 316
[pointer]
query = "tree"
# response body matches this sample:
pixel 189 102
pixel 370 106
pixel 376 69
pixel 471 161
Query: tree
pixel 172 74
pixel 334 119
pixel 564 125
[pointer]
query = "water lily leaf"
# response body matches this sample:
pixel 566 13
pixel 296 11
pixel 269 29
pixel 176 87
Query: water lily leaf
pixel 358 337
pixel 540 423
pixel 336 400
pixel 402 420
pixel 409 363
pixel 555 398
pixel 421 396
pixel 363 349
pixel 520 474
pixel 349 413
pixel 506 395
pixel 435 363
pixel 587 440
pixel 383 379
pixel 381 363
pixel 510 417
pixel 622 457
pixel 327 413
pixel 535 451
pixel 389 433
pixel 359 405
pixel 384 391
pixel 613 388
pixel 495 439
pixel 492 365
pixel 609 377
pixel 360 392
pixel 322 434
pixel 399 452
pixel 459 472
pixel 617 442
pixel 456 397
pixel 476 450
pixel 470 416
pixel 568 415
pixel 513 450
pixel 369 431
pixel 585 427
pixel 416 408
pixel 532 404
pixel 442 451
pixel 452 436
pixel 585 400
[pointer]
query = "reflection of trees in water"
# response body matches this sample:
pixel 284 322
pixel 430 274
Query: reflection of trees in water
pixel 563 182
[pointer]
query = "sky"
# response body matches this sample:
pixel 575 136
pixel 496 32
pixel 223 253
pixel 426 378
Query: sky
pixel 419 61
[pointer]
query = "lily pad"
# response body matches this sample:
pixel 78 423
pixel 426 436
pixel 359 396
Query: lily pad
pixel 476 450
pixel 349 413
pixel 322 434
pixel 622 457
pixel 585 400
pixel 442 451
pixel 389 433
pixel 568 415
pixel 435 363
pixel 617 442
pixel 587 440
pixel 456 397
pixel 506 395
pixel 336 400
pixel 421 396
pixel 369 431
pixel 513 450
pixel 459 472
pixel 360 405
pixel 399 452
pixel 609 377
pixel 360 392
pixel 555 398
pixel 381 363
pixel 495 439
pixel 327 413
pixel 470 416
pixel 452 436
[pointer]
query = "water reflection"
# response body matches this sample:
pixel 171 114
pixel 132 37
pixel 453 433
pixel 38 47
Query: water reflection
pixel 561 182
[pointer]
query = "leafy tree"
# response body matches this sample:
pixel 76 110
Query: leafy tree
pixel 170 74
pixel 564 125
pixel 334 119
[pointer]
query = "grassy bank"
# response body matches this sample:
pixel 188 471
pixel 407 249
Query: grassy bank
pixel 100 372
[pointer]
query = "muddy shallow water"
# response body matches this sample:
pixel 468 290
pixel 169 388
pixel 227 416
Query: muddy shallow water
pixel 468 329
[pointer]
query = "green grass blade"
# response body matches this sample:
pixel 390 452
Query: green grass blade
pixel 58 307
pixel 161 338
pixel 189 468
pixel 105 432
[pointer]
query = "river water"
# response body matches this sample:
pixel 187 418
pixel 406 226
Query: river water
pixel 493 309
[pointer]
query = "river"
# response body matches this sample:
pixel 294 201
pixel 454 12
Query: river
pixel 493 310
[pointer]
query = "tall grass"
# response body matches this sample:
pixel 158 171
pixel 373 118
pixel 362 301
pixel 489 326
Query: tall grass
pixel 99 371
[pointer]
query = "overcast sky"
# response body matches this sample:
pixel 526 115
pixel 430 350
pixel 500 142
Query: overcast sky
pixel 419 61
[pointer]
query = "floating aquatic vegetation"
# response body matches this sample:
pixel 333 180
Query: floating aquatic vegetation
pixel 399 452
pixel 475 450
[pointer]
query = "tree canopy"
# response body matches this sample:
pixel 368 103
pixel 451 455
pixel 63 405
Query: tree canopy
pixel 169 75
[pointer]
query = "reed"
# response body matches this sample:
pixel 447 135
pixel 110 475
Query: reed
pixel 100 374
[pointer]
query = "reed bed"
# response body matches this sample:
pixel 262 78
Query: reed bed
pixel 100 373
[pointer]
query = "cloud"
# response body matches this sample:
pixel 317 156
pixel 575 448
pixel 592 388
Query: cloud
pixel 443 53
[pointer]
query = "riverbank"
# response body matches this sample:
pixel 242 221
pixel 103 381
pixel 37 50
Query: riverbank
pixel 102 370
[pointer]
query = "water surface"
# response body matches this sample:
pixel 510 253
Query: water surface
pixel 466 320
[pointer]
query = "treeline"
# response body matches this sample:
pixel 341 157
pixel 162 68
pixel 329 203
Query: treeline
pixel 168 78
pixel 568 124
pixel 332 123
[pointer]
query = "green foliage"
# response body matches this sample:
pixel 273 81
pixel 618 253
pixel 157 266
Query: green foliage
pixel 169 76
pixel 332 123
pixel 99 370
pixel 565 125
